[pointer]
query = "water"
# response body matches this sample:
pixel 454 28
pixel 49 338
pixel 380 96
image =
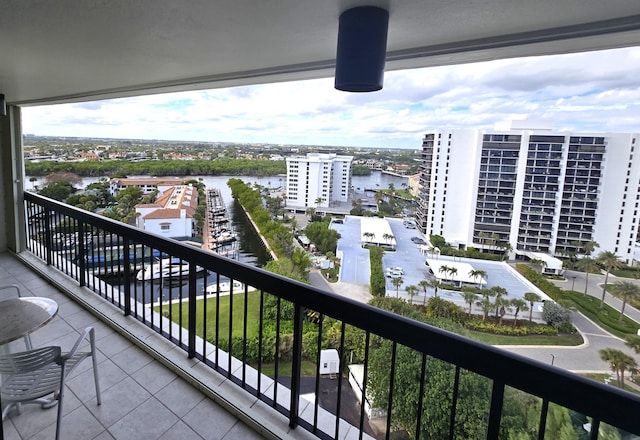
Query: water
pixel 251 250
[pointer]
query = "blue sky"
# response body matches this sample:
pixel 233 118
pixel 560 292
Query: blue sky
pixel 588 92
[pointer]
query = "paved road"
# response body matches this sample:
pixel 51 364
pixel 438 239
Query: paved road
pixel 583 358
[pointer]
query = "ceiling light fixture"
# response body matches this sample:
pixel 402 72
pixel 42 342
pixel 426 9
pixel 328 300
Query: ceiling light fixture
pixel 362 49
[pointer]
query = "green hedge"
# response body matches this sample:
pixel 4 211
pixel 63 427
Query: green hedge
pixel 607 317
pixel 540 281
pixel 377 281
pixel 509 330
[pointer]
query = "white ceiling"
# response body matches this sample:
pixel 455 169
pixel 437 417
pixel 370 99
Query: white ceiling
pixel 69 50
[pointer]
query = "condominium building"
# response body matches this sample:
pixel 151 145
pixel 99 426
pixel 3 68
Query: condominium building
pixel 172 212
pixel 318 180
pixel 527 188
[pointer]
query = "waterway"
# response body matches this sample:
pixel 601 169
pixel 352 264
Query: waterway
pixel 251 250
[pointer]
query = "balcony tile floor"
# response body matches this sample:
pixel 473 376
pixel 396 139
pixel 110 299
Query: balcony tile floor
pixel 141 398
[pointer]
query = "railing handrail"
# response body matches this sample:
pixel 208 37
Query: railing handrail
pixel 612 405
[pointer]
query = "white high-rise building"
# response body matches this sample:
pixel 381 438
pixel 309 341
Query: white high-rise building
pixel 528 188
pixel 318 179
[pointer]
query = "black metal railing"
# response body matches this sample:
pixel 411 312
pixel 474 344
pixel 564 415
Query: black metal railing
pixel 267 333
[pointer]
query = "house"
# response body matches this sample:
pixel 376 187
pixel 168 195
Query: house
pixel 171 214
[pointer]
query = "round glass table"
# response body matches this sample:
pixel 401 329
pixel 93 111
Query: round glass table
pixel 24 315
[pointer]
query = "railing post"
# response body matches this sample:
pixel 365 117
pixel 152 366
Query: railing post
pixel 48 237
pixel 82 251
pixel 296 365
pixel 191 322
pixel 127 277
pixel 495 410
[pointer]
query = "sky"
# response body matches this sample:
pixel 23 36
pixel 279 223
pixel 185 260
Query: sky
pixel 584 92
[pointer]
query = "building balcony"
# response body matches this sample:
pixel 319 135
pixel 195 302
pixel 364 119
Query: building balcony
pixel 159 372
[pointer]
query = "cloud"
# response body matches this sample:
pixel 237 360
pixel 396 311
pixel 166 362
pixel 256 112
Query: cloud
pixel 595 91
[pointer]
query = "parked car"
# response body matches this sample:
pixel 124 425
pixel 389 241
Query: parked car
pixel 394 274
pixel 418 240
pixel 395 269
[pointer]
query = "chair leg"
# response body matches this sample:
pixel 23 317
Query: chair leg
pixel 92 343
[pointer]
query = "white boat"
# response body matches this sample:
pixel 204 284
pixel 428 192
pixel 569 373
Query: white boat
pixel 224 287
pixel 167 268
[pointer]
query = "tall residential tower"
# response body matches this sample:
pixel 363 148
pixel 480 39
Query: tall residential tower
pixel 527 188
pixel 318 180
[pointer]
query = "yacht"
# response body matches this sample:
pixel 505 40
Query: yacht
pixel 168 268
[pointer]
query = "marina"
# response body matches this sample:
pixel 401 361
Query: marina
pixel 219 235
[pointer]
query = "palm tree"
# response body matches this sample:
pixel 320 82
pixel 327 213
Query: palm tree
pixel 633 342
pixel 498 292
pixel 310 212
pixel 531 297
pixel 587 264
pixel 589 247
pixel 435 284
pixel 452 271
pixel 424 284
pixel 318 202
pixel 369 236
pixel 470 296
pixel 411 291
pixel 518 304
pixel 485 304
pixel 619 362
pixel 500 304
pixel 387 237
pixel 396 283
pixel 540 263
pixel 478 274
pixel 444 269
pixel 610 261
pixel 625 291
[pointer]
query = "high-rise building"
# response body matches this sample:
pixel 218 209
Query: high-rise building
pixel 527 188
pixel 318 180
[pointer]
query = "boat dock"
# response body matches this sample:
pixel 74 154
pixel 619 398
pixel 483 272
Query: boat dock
pixel 219 235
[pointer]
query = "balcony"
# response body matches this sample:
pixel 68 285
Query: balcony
pixel 273 404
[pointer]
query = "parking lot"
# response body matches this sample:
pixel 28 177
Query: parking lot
pixel 355 264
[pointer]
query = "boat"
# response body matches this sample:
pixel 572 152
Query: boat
pixel 224 287
pixel 168 268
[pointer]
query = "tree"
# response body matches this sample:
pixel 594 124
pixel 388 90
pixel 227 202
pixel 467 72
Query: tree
pixel 541 264
pixel 387 237
pixel 397 282
pixel 369 236
pixel 311 213
pixel 444 269
pixel 470 296
pixel 435 284
pixel 625 291
pixel 555 315
pixel 633 342
pixel 478 274
pixel 318 202
pixel 411 291
pixel 588 265
pixel 58 190
pixel 485 304
pixel 619 362
pixel 498 292
pixel 610 261
pixel 531 297
pixel 424 284
pixel 453 271
pixel 518 304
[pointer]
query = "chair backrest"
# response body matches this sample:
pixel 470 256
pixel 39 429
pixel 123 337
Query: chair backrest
pixel 31 360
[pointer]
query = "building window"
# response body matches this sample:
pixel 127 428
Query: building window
pixel 165 226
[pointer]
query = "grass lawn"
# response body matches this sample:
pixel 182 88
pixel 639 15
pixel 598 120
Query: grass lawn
pixel 564 340
pixel 237 318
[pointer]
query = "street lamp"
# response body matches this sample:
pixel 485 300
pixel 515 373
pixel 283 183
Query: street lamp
pixel 573 281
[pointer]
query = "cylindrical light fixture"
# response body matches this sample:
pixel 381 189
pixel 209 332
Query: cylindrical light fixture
pixel 3 105
pixel 362 49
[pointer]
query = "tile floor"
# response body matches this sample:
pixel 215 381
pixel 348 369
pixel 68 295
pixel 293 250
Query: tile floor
pixel 141 398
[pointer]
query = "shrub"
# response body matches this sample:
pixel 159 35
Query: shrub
pixel 556 315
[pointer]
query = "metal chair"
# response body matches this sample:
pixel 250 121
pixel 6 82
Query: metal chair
pixel 31 376
pixel 27 338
